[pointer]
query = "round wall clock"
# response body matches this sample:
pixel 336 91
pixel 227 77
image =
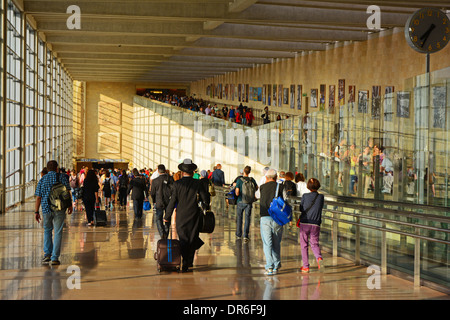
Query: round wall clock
pixel 428 30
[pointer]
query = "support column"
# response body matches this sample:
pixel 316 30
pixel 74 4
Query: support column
pixel 23 82
pixel 3 109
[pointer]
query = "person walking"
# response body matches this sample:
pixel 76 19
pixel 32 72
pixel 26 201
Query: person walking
pixel 311 207
pixel 271 232
pixel 123 188
pixel 53 220
pixel 185 198
pixel 74 187
pixel 138 189
pixel 218 176
pixel 161 191
pixel 245 190
pixel 90 195
pixel 107 186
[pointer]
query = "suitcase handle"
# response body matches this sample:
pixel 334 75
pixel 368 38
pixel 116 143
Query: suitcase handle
pixel 169 232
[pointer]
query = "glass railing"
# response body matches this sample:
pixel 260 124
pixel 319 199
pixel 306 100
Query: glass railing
pixel 391 147
pixel 399 240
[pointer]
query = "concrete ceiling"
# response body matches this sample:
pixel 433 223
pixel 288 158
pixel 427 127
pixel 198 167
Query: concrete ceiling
pixel 180 41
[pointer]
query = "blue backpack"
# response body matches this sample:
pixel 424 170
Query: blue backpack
pixel 280 210
pixel 231 197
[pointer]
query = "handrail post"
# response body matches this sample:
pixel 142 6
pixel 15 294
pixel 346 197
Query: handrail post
pixel 417 262
pixel 383 251
pixel 335 235
pixel 357 242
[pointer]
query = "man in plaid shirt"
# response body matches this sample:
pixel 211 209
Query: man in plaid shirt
pixel 53 220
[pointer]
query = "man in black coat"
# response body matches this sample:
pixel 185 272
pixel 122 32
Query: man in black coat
pixel 184 199
pixel 161 193
pixel 138 189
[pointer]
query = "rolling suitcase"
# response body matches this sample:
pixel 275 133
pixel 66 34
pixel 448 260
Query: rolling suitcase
pixel 168 254
pixel 99 216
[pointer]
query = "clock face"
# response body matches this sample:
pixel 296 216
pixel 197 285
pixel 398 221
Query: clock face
pixel 428 30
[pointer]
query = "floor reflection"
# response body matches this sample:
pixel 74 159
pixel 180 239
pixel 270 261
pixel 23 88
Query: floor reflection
pixel 117 262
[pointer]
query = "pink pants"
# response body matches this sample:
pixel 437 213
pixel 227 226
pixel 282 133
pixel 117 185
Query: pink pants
pixel 312 232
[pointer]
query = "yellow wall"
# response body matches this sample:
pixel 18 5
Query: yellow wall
pixel 385 60
pixel 109 114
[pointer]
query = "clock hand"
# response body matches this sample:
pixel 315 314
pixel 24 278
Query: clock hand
pixel 425 36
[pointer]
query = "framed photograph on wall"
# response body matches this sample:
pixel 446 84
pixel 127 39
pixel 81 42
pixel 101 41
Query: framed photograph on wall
pixel 239 92
pixel 285 95
pixel 259 92
pixel 292 98
pixel 403 99
pixel 376 102
pixel 363 100
pixel 351 100
pixel 299 96
pixel 341 92
pixel 264 89
pixel 280 95
pixel 331 99
pixel 274 95
pixel 322 99
pixel 269 94
pixel 438 106
pixel 388 109
pixel 351 94
pixel 313 102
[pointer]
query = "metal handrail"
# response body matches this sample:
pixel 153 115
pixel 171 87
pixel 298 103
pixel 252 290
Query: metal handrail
pixel 385 221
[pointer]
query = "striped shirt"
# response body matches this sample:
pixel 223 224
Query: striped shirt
pixel 45 185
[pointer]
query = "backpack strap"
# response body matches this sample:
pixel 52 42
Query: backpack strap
pixel 276 192
pixel 314 201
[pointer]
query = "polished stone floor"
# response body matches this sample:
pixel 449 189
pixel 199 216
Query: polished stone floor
pixel 117 262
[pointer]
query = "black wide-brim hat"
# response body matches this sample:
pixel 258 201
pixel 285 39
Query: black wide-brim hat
pixel 187 166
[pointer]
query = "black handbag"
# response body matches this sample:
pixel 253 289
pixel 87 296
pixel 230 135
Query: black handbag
pixel 207 221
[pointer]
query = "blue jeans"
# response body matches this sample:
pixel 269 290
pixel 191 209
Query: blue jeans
pixel 271 233
pixel 53 221
pixel 74 198
pixel 240 208
pixel 138 207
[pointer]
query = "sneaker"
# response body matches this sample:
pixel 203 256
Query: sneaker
pixel 55 263
pixel 320 263
pixel 268 272
pixel 304 270
pixel 246 239
pixel 46 260
pixel 274 271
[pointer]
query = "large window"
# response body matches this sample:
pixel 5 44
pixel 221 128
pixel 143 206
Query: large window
pixel 30 104
pixel 13 102
pixel 38 109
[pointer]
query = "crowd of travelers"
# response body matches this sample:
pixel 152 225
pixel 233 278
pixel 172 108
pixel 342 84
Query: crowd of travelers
pixel 240 114
pixel 179 195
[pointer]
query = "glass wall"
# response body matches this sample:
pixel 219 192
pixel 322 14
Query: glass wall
pixel 36 108
pixel 394 146
pixel 14 80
